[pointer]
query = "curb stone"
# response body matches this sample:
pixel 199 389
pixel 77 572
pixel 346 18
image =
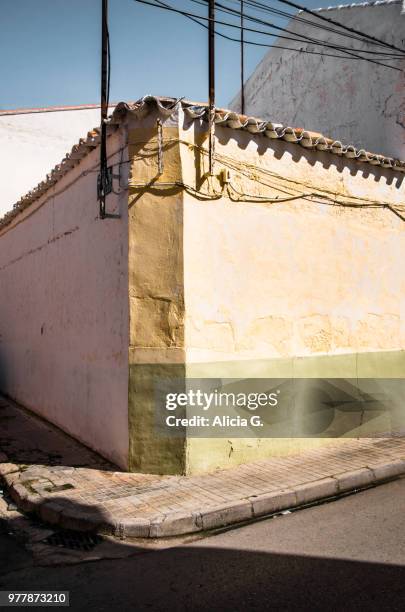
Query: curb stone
pixel 85 520
pixel 319 489
pixel 234 512
pixel 51 512
pixel 354 479
pixel 22 497
pixel 134 528
pixel 382 471
pixel 267 503
pixel 177 524
pixel 8 468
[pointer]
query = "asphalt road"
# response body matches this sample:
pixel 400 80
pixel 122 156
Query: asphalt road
pixel 345 555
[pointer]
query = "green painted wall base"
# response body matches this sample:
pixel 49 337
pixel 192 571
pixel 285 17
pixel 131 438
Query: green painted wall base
pixel 153 453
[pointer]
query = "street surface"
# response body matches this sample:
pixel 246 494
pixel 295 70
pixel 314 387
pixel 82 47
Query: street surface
pixel 344 555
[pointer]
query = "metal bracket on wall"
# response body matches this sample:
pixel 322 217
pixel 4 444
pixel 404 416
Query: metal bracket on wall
pixel 104 182
pixel 104 187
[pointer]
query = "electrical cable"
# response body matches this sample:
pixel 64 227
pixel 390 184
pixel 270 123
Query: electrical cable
pixel 246 169
pixel 253 199
pixel 196 17
pixel 259 6
pixel 303 37
pixel 195 192
pixel 325 197
pixel 257 44
pixel 340 25
pixel 103 181
pixel 108 65
pixel 244 197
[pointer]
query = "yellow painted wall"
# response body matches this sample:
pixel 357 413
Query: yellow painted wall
pixel 222 288
pixel 295 289
pixel 156 292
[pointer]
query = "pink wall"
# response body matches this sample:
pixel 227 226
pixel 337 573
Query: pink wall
pixel 64 309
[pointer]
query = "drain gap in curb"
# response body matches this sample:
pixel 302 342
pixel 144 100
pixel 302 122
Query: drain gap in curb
pixel 74 540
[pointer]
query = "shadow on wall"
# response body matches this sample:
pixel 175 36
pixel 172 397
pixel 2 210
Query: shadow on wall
pixel 3 368
pixel 28 439
pixel 281 148
pixel 204 577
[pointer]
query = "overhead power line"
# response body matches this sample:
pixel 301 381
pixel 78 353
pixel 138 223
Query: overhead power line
pixel 302 37
pixel 264 8
pixel 258 44
pixel 340 25
pixel 218 22
pixel 102 181
pixel 242 61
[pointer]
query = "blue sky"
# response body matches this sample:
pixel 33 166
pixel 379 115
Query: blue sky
pixel 50 52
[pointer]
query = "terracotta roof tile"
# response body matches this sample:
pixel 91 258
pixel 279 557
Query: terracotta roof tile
pixel 223 118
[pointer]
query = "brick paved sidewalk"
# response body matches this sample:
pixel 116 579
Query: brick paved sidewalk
pixel 51 474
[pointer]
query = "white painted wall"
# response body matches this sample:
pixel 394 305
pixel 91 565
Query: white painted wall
pixel 352 101
pixel 64 310
pixel 31 144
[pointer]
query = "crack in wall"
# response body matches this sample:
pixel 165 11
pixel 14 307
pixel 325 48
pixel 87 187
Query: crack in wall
pixel 39 248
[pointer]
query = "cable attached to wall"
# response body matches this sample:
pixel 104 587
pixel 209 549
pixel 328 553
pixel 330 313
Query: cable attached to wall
pixel 105 177
pixel 230 191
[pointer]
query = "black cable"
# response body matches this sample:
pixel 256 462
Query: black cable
pixel 337 47
pixel 259 6
pixel 242 61
pixel 340 25
pixel 108 67
pixel 187 14
pixel 303 37
pixel 257 44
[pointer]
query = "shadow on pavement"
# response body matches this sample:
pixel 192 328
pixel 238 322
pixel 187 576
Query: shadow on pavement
pixel 202 577
pixel 28 439
pixel 198 576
